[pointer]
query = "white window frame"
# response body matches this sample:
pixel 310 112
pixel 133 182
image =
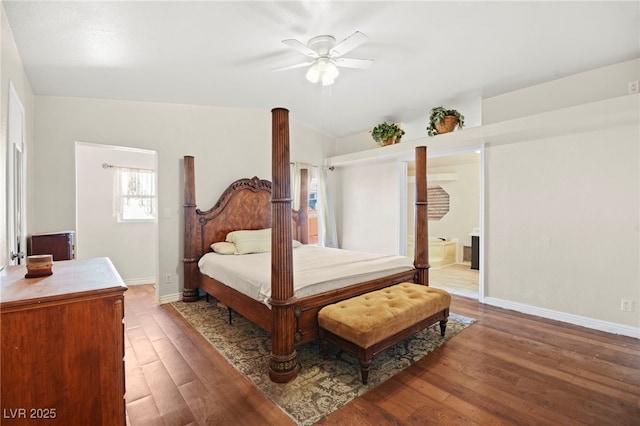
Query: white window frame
pixel 124 194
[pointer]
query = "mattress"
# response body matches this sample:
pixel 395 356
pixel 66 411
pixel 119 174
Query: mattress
pixel 315 270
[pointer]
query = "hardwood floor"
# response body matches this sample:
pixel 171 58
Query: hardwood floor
pixel 457 279
pixel 174 377
pixel 508 368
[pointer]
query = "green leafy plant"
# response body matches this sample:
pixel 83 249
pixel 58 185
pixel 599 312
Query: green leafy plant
pixel 384 131
pixel 437 115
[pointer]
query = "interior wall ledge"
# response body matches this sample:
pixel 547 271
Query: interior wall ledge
pixel 614 112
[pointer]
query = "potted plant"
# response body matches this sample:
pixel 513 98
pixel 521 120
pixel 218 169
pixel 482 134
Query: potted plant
pixel 386 134
pixel 442 120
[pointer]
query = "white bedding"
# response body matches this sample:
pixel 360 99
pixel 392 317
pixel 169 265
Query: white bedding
pixel 316 270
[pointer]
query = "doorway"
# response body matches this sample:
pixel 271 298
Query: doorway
pixel 102 230
pixel 455 197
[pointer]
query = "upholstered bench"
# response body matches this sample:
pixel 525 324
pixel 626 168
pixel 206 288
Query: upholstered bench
pixel 368 324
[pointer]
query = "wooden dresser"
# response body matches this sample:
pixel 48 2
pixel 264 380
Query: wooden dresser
pixel 63 345
pixel 59 244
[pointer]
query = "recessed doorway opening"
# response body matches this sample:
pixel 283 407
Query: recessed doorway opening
pixel 454 184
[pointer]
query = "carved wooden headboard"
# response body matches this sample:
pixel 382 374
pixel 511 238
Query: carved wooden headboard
pixel 245 204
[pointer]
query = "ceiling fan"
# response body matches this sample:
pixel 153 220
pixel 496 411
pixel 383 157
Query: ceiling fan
pixel 326 56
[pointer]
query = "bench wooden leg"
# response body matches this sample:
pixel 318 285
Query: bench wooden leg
pixel 443 326
pixel 365 364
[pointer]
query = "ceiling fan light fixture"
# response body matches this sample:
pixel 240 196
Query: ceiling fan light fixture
pixel 323 69
pixel 326 81
pixel 313 74
pixel 327 56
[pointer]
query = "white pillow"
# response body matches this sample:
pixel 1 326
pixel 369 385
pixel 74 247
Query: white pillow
pixel 251 241
pixel 224 248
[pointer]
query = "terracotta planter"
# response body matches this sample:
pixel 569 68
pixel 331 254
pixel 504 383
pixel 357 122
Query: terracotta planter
pixel 389 141
pixel 447 124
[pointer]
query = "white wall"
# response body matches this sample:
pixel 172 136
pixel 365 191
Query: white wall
pixel 562 229
pixel 131 246
pixel 227 144
pixel 11 69
pixel 369 214
pixel 355 143
pixel 562 218
pixel 590 86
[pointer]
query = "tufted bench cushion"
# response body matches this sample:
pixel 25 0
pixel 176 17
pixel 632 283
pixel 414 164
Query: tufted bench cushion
pixel 372 322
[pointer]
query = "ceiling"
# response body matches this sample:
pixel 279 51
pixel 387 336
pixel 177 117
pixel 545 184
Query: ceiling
pixel 222 53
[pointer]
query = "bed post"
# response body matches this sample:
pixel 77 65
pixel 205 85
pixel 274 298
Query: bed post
pixel 190 290
pixel 421 254
pixel 283 363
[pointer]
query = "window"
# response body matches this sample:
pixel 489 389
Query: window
pixel 438 203
pixel 135 195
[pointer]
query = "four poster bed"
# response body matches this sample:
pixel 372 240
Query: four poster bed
pixel 287 311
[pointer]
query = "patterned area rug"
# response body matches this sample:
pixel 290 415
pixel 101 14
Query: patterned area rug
pixel 322 386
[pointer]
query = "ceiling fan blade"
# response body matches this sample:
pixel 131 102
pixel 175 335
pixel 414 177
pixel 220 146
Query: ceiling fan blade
pixel 290 67
pixel 349 43
pixel 362 64
pixel 301 47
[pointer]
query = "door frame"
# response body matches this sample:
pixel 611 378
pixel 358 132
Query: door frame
pixel 16 203
pixel 403 209
pixel 103 152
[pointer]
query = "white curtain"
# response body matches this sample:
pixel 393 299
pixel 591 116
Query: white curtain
pixel 326 217
pixel 135 194
pixel 327 234
pixel 296 182
pixel 294 170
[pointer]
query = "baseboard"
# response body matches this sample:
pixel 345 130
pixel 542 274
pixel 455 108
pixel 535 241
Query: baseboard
pixel 140 281
pixel 594 324
pixel 168 298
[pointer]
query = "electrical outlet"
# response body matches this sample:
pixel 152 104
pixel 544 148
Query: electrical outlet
pixel 167 278
pixel 633 87
pixel 626 305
